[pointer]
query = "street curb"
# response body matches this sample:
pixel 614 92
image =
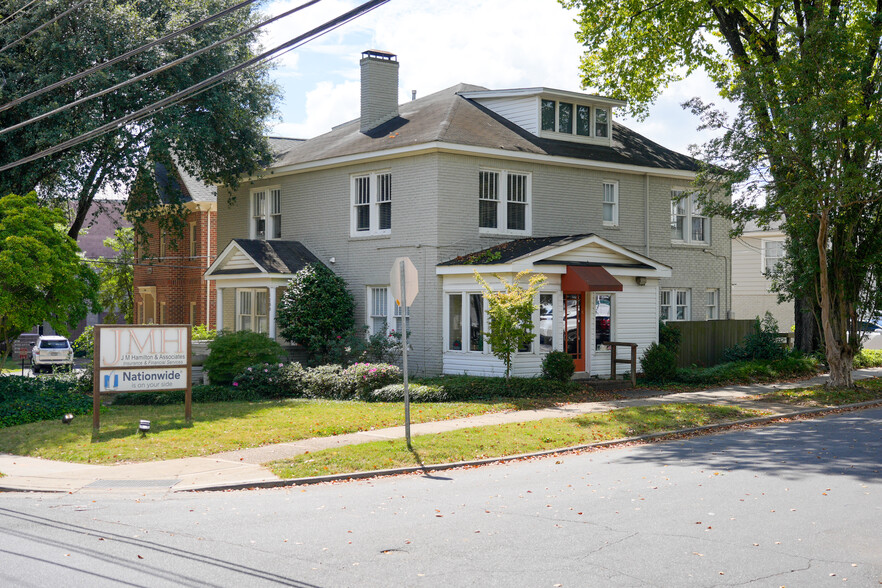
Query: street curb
pixel 576 448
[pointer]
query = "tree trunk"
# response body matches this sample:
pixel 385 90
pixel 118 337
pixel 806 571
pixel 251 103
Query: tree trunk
pixel 807 334
pixel 838 352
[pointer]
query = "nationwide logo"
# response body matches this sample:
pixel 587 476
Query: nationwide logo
pixel 107 379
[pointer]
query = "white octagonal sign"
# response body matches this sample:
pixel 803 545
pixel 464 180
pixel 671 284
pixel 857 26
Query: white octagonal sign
pixel 411 280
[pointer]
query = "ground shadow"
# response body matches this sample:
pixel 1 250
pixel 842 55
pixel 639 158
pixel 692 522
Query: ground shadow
pixel 427 473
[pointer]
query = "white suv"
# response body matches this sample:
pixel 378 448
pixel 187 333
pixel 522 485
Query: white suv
pixel 51 350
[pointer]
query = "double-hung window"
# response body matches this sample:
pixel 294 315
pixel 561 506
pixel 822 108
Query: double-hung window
pixel 611 204
pixel 383 312
pixel 773 254
pixel 252 310
pixel 674 305
pixel 371 204
pixel 688 223
pixel 266 214
pixel 713 304
pixel 193 239
pixel 504 202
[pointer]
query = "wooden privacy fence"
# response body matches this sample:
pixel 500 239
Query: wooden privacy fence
pixel 703 342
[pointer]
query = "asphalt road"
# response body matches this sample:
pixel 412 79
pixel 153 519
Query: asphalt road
pixel 790 505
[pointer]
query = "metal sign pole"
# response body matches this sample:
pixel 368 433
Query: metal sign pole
pixel 404 355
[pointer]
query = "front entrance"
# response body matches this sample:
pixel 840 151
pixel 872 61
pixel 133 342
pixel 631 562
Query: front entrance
pixel 574 327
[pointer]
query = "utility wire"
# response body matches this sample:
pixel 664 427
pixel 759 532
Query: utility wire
pixel 23 8
pixel 201 86
pixel 126 55
pixel 157 70
pixel 44 25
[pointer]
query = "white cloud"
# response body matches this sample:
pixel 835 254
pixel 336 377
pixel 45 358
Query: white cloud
pixel 439 43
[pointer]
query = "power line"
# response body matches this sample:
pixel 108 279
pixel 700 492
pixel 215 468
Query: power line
pixel 201 86
pixel 156 70
pixel 126 55
pixel 22 9
pixel 44 25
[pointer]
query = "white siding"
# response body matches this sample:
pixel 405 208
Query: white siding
pixel 751 289
pixel 635 320
pixel 237 261
pixel 523 112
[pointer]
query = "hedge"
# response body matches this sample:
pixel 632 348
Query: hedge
pixel 27 400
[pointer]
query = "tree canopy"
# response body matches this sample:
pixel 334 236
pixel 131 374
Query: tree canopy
pixel 804 148
pixel 42 275
pixel 116 293
pixel 216 135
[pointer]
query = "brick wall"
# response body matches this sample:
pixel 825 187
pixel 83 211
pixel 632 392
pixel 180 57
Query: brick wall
pixel 177 276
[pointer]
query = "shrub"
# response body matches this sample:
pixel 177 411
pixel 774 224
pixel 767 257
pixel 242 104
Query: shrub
pixel 558 365
pixel 416 392
pixel 746 372
pixel 267 380
pixel 231 353
pixel 84 345
pixel 761 343
pixel 382 347
pixel 868 358
pixel 328 381
pixel 202 333
pixel 669 336
pixel 201 394
pixel 659 363
pixel 28 400
pixel 478 388
pixel 370 376
pixel 315 309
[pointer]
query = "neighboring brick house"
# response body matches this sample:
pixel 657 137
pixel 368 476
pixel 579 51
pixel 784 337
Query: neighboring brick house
pixel 168 278
pixel 504 180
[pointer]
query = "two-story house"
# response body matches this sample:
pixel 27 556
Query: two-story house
pixel 755 253
pixel 168 280
pixel 469 178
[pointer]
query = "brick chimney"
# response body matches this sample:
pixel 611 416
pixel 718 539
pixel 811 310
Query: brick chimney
pixel 379 88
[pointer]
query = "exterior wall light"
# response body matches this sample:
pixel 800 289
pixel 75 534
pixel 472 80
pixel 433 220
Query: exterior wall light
pixel 144 427
pixel 641 280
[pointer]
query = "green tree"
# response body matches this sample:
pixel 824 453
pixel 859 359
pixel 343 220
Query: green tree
pixel 316 309
pixel 116 293
pixel 805 145
pixel 42 275
pixel 217 135
pixel 511 314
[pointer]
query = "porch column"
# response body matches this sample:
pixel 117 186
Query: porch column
pixel 272 312
pixel 219 311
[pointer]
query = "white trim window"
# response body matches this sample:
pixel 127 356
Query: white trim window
pixel 674 305
pixel 252 310
pixel 371 204
pixel 611 204
pixel 465 322
pixel 546 323
pixel 378 309
pixel 572 119
pixel 504 202
pixel 604 321
pixel 773 254
pixel 601 122
pixel 266 214
pixel 713 304
pixel 688 223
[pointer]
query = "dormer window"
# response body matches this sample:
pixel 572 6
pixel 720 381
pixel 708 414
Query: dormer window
pixel 568 118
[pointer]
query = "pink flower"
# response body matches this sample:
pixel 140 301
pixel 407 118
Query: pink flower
pixel 235 383
pixel 265 371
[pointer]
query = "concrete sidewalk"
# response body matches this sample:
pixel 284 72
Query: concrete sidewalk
pixel 243 468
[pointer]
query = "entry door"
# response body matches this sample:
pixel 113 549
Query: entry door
pixel 574 328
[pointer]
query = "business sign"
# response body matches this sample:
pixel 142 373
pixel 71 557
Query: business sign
pixel 142 346
pixel 142 379
pixel 141 358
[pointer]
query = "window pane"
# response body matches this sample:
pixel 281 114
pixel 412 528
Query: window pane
pixel 276 221
pixel 385 216
pixel 476 322
pixel 454 327
pixel 517 202
pixel 564 117
pixel 601 122
pixel 363 218
pixel 583 120
pixel 608 213
pixel 573 326
pixel 602 320
pixel 261 302
pixel 276 204
pixel 548 115
pixel 488 193
pixel 517 217
pixel 699 226
pixel 678 219
pixel 546 323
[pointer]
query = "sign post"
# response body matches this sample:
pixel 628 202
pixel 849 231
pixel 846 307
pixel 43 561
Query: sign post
pixel 140 358
pixel 404 281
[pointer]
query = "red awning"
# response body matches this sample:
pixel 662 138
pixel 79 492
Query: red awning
pixel 589 279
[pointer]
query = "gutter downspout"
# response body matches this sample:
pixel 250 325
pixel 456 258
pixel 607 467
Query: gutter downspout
pixel 646 213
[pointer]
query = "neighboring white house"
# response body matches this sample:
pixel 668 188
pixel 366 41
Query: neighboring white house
pixel 754 254
pixel 498 180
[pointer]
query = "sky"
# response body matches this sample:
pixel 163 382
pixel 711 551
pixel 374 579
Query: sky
pixel 497 44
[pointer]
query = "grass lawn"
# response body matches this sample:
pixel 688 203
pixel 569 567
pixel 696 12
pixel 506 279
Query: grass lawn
pixel 12 365
pixel 216 427
pixel 510 439
pixel 820 396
